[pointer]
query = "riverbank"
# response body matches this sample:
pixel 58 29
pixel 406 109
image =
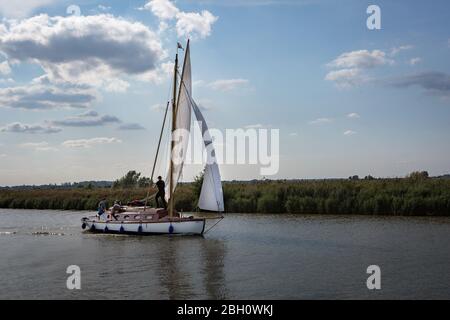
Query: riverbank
pixel 374 197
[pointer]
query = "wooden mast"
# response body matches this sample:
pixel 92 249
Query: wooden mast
pixel 156 156
pixel 172 143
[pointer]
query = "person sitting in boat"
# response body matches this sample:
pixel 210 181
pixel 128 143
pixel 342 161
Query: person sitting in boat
pixel 117 208
pixel 161 193
pixel 101 207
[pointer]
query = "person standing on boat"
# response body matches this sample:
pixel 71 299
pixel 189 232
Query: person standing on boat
pixel 161 193
pixel 102 207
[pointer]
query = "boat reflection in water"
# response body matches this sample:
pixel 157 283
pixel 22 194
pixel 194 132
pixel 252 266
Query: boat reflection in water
pixel 189 267
pixel 154 267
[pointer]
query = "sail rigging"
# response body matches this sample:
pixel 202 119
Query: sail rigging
pixel 181 125
pixel 211 195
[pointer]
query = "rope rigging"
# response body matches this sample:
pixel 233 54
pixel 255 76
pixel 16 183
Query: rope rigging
pixel 148 196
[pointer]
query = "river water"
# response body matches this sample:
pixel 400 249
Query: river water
pixel 244 257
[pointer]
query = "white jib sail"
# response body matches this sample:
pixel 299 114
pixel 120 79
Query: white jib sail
pixel 211 195
pixel 182 123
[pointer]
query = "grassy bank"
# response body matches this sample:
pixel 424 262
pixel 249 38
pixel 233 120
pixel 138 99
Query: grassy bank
pixel 375 197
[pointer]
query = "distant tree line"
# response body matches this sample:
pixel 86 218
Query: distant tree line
pixel 132 179
pixel 66 185
pixel 417 194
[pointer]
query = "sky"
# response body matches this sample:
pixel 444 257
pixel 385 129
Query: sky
pixel 83 85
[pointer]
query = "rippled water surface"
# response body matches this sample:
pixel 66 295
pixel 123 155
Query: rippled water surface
pixel 244 257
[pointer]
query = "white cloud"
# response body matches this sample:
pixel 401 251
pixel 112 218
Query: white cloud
pixel 158 107
pixel 353 115
pixel 352 67
pixel 397 50
pixel 360 59
pixel 349 133
pixel 39 97
pixel 17 127
pixel 163 9
pixel 39 146
pixel 5 69
pixel 88 143
pixel 228 84
pixel 90 50
pixel 20 9
pixel 89 113
pixel 193 23
pixel 7 81
pixel 158 75
pixel 163 26
pixel 87 119
pixel 414 61
pixel 198 83
pixel 117 85
pixel 346 78
pixel 188 24
pixel 131 126
pixel 321 121
pixel 103 8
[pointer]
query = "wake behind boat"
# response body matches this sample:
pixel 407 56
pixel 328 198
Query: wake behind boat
pixel 147 220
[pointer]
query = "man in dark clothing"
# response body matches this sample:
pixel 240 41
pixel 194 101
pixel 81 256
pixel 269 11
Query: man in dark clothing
pixel 161 193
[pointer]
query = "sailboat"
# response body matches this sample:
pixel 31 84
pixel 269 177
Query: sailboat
pixel 146 220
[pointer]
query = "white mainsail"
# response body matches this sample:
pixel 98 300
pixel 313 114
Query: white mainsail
pixel 211 195
pixel 182 123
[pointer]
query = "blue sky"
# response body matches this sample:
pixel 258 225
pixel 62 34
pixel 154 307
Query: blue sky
pixel 347 100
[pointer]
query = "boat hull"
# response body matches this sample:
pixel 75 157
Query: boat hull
pixel 187 227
